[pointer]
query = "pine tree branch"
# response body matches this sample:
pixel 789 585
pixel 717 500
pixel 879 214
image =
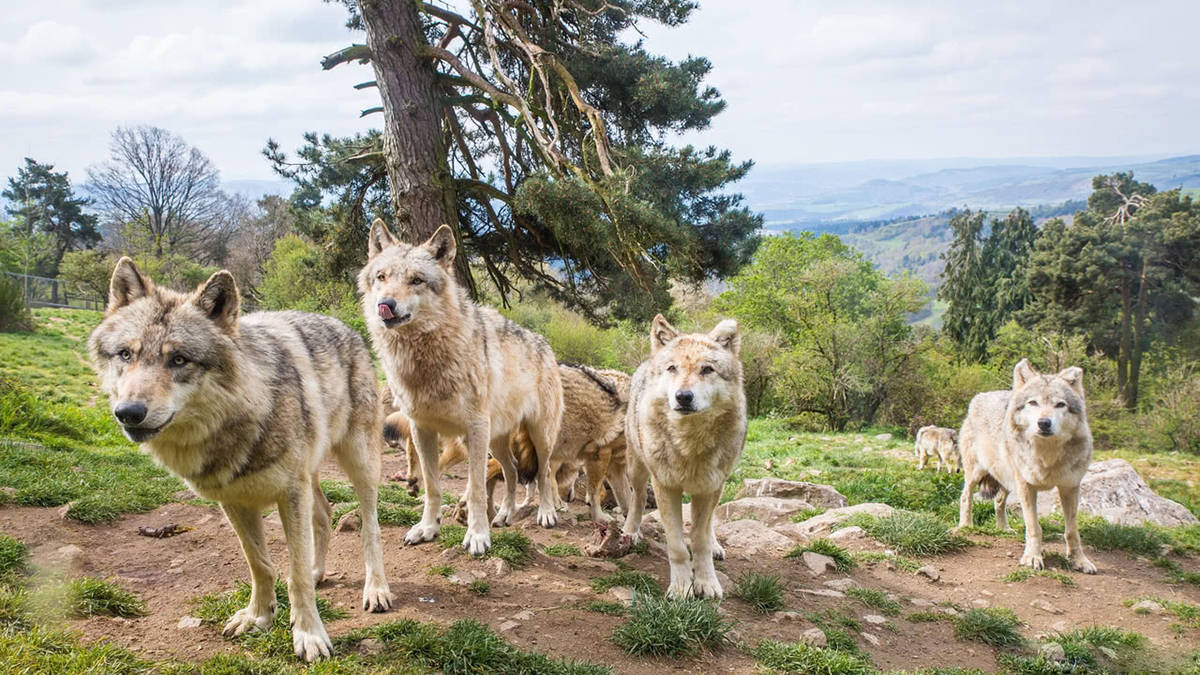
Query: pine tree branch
pixel 355 52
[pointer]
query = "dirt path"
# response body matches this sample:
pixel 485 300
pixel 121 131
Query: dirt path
pixel 547 593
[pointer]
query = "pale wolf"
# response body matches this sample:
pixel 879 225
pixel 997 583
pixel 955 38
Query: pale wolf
pixel 1034 437
pixel 685 429
pixel 938 442
pixel 244 409
pixel 397 433
pixel 459 370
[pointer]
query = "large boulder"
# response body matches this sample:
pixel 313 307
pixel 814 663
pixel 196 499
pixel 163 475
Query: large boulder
pixel 820 525
pixel 813 493
pixel 769 510
pixel 1114 491
pixel 750 537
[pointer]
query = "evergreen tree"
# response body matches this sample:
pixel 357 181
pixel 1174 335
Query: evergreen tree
pixel 42 201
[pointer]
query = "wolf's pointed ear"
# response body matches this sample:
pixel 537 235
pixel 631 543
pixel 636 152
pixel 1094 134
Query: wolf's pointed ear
pixel 126 285
pixel 1022 373
pixel 442 246
pixel 661 333
pixel 379 238
pixel 219 300
pixel 1074 378
pixel 727 334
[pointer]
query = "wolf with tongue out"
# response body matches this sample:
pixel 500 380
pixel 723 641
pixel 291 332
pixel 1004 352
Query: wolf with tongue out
pixel 458 369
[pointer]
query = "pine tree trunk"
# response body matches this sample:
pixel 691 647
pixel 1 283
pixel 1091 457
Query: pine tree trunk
pixel 419 179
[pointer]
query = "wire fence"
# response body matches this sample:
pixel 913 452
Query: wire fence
pixel 47 292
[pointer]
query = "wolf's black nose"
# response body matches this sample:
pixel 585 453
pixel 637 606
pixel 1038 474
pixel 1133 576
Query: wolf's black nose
pixel 1044 424
pixel 684 397
pixel 130 413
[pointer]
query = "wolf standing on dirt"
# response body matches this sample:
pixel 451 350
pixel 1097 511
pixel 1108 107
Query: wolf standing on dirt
pixel 244 409
pixel 685 429
pixel 458 369
pixel 1034 437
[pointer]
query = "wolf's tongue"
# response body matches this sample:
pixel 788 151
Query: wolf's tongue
pixel 385 312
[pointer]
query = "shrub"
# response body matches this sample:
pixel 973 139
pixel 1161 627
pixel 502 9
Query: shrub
pixel 1134 539
pixel 480 587
pixel 13 557
pixel 14 315
pixel 762 591
pixel 659 626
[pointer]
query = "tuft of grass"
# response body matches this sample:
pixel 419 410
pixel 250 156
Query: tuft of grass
pixel 875 598
pixel 1086 650
pixel 872 557
pixel 338 492
pixel 660 626
pixel 763 592
pixel 88 596
pixel 16 610
pixel 46 650
pixel 440 570
pixel 1186 612
pixel 843 561
pixel 1138 540
pixel 641 582
pixel 912 533
pixel 996 626
pixel 480 587
pixel 605 607
pixel 562 550
pixel 810 512
pixel 217 608
pixel 451 535
pixel 926 617
pixel 1025 573
pixel 801 657
pixel 399 516
pixel 1176 574
pixel 14 558
pixel 641 548
pixel 511 546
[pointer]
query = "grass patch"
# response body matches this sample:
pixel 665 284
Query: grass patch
pixel 14 558
pixel 1101 534
pixel 440 570
pixel 872 557
pixel 52 651
pixel 843 561
pixel 763 592
pixel 1086 650
pixel 659 626
pixel 640 582
pixel 605 607
pixel 480 587
pixel 1176 574
pixel 562 550
pixel 926 617
pixel 801 657
pixel 451 535
pixel 398 516
pixel 1186 612
pixel 1024 574
pixel 88 596
pixel 995 626
pixel 511 546
pixel 805 514
pixel 875 598
pixel 216 608
pixel 912 533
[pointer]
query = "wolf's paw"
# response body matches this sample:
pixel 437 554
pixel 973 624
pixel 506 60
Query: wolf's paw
pixel 245 620
pixel 707 588
pixel 318 575
pixel 547 517
pixel 422 532
pixel 311 644
pixel 1082 564
pixel 718 551
pixel 680 588
pixel 1032 560
pixel 377 597
pixel 503 517
pixel 634 537
pixel 477 543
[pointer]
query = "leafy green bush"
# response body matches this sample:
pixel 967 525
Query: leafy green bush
pixel 659 626
pixel 291 283
pixel 14 315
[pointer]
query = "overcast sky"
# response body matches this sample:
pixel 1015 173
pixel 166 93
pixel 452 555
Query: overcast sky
pixel 806 81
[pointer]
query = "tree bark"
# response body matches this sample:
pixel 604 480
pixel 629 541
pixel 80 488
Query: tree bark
pixel 419 178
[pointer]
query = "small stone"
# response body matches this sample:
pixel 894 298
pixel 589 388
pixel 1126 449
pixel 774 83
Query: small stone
pixel 818 563
pixel 980 603
pixel 852 532
pixel 789 616
pixel 524 512
pixel 507 626
pixel 1045 606
pixel 841 584
pixel 1109 653
pixel 922 602
pixel 500 567
pixel 874 619
pixel 883 437
pixel 569 599
pixel 1052 651
pixel 350 522
pixel 189 622
pixel 823 592
pixel 724 580
pixel 623 594
pixel 1060 626
pixel 815 637
pixel 10 493
pixel 929 571
pixel 986 593
pixel 949 611
pixel 1147 607
pixel 65 509
pixel 523 615
pixel 453 552
pixel 870 638
pixel 370 647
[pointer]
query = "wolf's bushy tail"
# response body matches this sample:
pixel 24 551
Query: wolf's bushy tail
pixel 988 487
pixel 526 456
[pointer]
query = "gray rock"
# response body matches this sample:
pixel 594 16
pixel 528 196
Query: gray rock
pixel 819 525
pixel 848 533
pixel 883 437
pixel 874 619
pixel 523 615
pixel 815 637
pixel 929 571
pixel 768 510
pixel 189 622
pixel 823 592
pixel 1113 490
pixel 370 647
pixel 788 616
pixel 842 584
pixel 349 522
pixel 818 563
pixel 1053 651
pixel 813 493
pixel 981 603
pixel 1147 607
pixel 922 602
pixel 499 567
pixel 622 594
pixel 507 626
pixel 1045 606
pixel 870 638
pixel 751 537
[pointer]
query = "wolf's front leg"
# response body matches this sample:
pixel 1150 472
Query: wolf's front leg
pixel 478 538
pixel 670 507
pixel 1069 497
pixel 258 614
pixel 309 639
pixel 705 584
pixel 1032 557
pixel 426 441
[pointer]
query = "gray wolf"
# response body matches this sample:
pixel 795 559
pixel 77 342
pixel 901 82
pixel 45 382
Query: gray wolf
pixel 244 409
pixel 1030 438
pixel 458 369
pixel 397 432
pixel 938 442
pixel 685 429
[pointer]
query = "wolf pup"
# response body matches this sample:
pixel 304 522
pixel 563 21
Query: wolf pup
pixel 685 428
pixel 1034 437
pixel 938 442
pixel 459 370
pixel 244 409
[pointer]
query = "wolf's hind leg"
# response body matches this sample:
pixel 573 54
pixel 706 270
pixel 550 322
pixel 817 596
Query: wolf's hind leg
pixel 544 434
pixel 970 480
pixel 258 613
pixel 502 453
pixel 359 458
pixel 309 639
pixel 430 525
pixel 321 517
pixel 639 474
pixel 1000 504
pixel 1069 498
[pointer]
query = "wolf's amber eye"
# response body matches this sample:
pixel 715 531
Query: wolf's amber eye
pixel 381 276
pixel 1060 404
pixel 671 368
pixel 178 361
pixel 416 281
pixel 706 370
pixel 124 355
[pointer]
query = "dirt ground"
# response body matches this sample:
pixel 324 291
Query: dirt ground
pixel 544 598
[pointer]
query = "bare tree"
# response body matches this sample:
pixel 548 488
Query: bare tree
pixel 162 186
pixel 254 240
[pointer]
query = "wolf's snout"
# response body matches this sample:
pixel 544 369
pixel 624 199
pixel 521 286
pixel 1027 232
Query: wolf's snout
pixel 1045 424
pixel 130 413
pixel 387 309
pixel 684 398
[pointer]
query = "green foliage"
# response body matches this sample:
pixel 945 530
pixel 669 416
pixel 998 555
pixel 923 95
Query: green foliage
pixel 606 607
pixel 996 626
pixel 926 617
pixel 291 281
pixel 906 564
pixel 88 596
pixel 660 626
pixel 912 533
pixel 86 273
pixel 14 558
pixel 1185 611
pixel 1138 540
pixel 1025 573
pixel 875 598
pixel 511 546
pixel 43 201
pixel 763 592
pixel 46 651
pixel 216 608
pixel 801 657
pixel 642 583
pixel 480 587
pixel 842 559
pixel 14 315
pixel 574 339
pixel 441 570
pixel 562 550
